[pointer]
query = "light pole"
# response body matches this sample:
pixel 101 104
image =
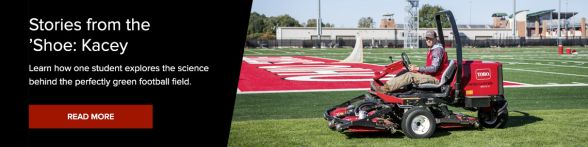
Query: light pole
pixel 318 24
pixel 559 23
pixel 566 16
pixel 514 19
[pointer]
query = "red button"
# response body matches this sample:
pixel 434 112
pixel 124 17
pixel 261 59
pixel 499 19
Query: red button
pixel 90 116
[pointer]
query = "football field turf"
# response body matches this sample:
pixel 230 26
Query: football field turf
pixel 550 111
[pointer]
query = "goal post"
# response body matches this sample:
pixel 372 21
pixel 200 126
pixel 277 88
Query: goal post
pixel 356 55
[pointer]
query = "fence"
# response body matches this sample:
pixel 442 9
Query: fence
pixel 346 43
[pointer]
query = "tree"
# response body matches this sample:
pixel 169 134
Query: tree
pixel 312 23
pixel 286 21
pixel 262 27
pixel 427 17
pixel 328 25
pixel 366 22
pixel 267 36
pixel 256 23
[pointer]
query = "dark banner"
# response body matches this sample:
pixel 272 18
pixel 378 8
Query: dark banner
pixel 133 73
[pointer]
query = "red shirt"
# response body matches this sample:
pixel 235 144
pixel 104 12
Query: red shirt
pixel 436 61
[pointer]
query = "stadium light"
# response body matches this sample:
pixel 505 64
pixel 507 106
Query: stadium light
pixel 514 21
pixel 559 23
pixel 318 24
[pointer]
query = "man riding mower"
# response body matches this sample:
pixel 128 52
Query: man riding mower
pixel 416 99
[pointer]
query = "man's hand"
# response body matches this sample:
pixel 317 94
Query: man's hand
pixel 414 68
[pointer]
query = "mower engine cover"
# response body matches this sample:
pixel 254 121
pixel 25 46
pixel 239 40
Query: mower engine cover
pixel 482 78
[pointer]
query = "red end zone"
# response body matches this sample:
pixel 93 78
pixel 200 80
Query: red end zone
pixel 269 74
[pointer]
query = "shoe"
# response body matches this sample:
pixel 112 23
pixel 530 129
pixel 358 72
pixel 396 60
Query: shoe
pixel 373 86
pixel 376 88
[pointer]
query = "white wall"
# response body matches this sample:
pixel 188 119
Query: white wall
pixel 380 34
pixel 306 33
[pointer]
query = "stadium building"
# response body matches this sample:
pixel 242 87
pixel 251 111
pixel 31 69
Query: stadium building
pixel 536 25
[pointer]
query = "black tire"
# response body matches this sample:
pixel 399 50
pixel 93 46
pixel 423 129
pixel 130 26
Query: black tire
pixel 418 122
pixel 496 116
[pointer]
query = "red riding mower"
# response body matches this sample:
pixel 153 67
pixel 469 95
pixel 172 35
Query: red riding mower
pixel 419 109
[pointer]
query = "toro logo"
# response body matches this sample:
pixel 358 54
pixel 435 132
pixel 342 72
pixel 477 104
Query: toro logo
pixel 483 74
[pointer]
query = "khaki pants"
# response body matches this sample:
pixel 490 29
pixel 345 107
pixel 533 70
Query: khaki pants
pixel 408 78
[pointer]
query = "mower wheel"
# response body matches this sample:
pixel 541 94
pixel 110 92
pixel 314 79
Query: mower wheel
pixel 418 122
pixel 494 117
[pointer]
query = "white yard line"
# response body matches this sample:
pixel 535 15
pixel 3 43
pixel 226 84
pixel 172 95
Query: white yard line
pixel 341 60
pixel 546 85
pixel 283 51
pixel 544 60
pixel 517 83
pixel 547 72
pixel 362 89
pixel 580 60
pixel 254 52
pixel 503 68
pixel 547 64
pixel 293 91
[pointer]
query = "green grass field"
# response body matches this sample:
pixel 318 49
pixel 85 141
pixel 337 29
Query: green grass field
pixel 539 116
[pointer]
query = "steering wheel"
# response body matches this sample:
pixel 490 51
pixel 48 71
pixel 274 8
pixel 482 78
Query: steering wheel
pixel 405 61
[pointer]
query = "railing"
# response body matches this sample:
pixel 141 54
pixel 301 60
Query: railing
pixel 466 42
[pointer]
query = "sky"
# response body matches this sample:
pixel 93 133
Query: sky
pixel 346 13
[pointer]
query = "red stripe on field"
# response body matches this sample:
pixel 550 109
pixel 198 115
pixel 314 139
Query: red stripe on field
pixel 254 78
pixel 295 73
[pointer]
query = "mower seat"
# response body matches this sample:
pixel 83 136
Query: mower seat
pixel 446 78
